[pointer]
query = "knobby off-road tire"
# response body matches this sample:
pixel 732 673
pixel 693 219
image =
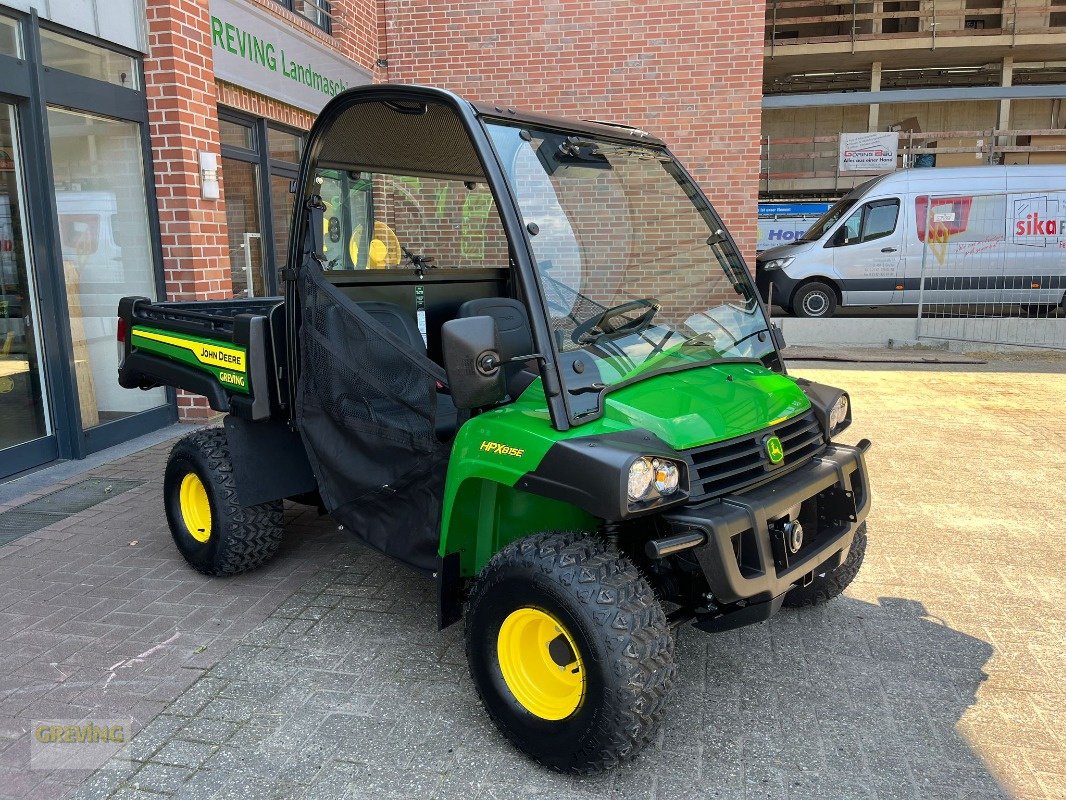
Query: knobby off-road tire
pixel 212 530
pixel 830 585
pixel 606 634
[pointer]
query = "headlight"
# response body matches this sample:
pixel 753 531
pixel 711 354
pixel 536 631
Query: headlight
pixel 641 477
pixel 838 417
pixel 776 263
pixel 651 478
pixel 667 476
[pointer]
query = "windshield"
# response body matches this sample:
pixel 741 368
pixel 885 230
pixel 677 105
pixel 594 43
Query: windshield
pixel 828 219
pixel 637 274
pixel 836 211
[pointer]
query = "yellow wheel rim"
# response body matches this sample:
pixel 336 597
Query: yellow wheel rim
pixel 541 664
pixel 195 507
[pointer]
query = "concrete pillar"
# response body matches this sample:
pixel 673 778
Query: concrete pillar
pixel 875 86
pixel 1006 77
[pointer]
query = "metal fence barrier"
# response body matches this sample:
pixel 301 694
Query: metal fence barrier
pixel 993 268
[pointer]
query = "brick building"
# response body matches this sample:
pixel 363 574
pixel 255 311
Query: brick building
pixel 147 148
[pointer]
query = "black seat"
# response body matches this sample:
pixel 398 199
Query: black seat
pixel 396 320
pixel 400 322
pixel 516 337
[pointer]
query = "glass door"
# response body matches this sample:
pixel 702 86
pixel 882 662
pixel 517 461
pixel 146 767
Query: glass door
pixel 24 413
pixel 106 249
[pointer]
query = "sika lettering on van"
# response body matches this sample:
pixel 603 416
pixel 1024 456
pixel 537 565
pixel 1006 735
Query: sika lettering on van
pixel 1039 222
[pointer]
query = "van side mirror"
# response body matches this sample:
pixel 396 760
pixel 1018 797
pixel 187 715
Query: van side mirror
pixel 471 347
pixel 840 238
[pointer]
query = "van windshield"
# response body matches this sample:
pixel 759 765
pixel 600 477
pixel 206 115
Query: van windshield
pixel 828 219
pixel 637 273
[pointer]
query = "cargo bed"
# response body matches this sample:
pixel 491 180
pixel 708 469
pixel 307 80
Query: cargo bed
pixel 223 349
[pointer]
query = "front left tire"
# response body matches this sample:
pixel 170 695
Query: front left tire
pixel 569 650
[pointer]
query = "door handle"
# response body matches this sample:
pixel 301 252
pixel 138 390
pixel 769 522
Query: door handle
pixel 888 249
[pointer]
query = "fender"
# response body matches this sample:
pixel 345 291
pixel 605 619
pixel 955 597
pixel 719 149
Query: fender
pixel 269 461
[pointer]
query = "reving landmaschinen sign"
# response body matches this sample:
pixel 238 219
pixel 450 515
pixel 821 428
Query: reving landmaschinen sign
pixel 254 49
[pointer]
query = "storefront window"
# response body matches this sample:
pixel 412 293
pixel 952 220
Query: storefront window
pixel 9 37
pixel 72 55
pixel 281 214
pixel 258 163
pixel 234 134
pixel 106 250
pixel 240 182
pixel 23 409
pixel 284 146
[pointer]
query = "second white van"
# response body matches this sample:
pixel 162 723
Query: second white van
pixel 949 235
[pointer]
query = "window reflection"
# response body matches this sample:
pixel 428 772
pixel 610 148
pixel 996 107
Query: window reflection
pixel 106 250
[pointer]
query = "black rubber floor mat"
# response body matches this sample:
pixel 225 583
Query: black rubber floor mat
pixel 44 511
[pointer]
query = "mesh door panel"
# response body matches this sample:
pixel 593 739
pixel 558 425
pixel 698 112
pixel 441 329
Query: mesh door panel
pixel 366 408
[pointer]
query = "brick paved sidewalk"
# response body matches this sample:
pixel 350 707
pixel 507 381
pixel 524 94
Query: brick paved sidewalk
pixel 939 675
pixel 82 601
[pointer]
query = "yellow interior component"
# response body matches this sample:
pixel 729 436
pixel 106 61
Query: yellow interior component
pixel 195 507
pixel 378 255
pixel 530 645
pixel 384 246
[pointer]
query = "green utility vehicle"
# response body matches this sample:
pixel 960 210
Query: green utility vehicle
pixel 523 356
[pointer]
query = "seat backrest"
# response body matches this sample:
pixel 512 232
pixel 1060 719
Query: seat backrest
pixel 512 322
pixel 516 337
pixel 397 320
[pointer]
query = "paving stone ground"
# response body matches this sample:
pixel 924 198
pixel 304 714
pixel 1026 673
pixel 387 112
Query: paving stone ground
pixel 938 675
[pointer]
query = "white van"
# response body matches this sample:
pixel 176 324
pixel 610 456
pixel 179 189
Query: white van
pixel 978 234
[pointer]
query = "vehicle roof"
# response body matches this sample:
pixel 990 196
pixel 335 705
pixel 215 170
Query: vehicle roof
pixel 611 130
pixel 940 174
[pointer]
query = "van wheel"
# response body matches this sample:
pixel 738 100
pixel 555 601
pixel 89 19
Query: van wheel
pixel 215 533
pixel 815 299
pixel 569 651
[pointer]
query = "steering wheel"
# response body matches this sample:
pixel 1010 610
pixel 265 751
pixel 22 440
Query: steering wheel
pixel 601 324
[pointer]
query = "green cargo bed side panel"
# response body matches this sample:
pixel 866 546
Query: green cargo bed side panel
pixel 483 512
pixel 226 361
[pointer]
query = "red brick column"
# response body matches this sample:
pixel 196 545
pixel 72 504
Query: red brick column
pixel 183 121
pixel 687 70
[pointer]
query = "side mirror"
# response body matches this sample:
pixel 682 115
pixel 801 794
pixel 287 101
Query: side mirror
pixel 472 360
pixel 778 336
pixel 840 238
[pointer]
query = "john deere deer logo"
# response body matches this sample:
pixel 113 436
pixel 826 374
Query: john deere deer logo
pixel 774 449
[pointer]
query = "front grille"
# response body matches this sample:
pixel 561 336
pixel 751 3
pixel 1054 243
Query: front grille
pixel 740 463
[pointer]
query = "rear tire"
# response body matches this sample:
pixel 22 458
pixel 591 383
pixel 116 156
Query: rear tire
pixel 833 583
pixel 212 530
pixel 815 300
pixel 592 695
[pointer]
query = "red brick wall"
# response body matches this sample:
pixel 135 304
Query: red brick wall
pixel 355 28
pixel 688 70
pixel 183 121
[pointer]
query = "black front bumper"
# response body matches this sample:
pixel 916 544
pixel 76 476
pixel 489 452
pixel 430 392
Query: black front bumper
pixel 783 285
pixel 747 571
